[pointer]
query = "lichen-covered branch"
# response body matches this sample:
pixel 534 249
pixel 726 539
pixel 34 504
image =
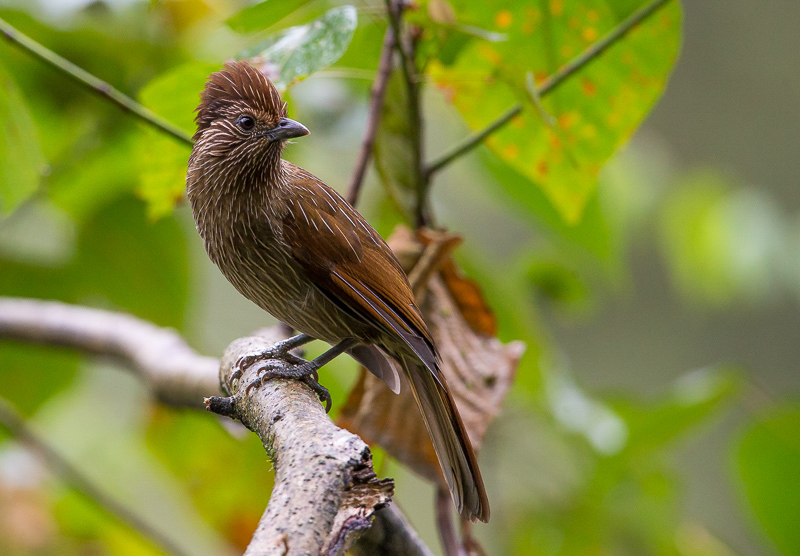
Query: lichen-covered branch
pixel 176 374
pixel 391 533
pixel 326 491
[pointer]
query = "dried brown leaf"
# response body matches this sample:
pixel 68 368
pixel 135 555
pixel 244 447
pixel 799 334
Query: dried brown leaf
pixel 478 368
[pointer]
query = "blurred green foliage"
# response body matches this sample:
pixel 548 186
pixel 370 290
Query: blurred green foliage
pixel 767 457
pixel 20 148
pixel 92 214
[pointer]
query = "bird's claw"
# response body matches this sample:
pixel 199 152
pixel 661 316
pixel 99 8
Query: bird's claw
pixel 262 375
pixel 281 350
pixel 305 373
pixel 246 360
pixel 321 392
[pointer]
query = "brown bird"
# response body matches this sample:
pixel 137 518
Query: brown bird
pixel 298 250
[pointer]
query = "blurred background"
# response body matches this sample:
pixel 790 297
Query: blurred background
pixel 656 410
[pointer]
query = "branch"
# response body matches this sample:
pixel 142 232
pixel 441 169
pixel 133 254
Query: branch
pixel 326 491
pixel 472 141
pixel 406 48
pixel 394 9
pixel 332 465
pixel 549 84
pixel 377 94
pixel 391 533
pixel 90 82
pixel 176 374
pixel 17 426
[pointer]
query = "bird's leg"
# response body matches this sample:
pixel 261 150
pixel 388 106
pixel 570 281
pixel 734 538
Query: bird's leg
pixel 275 351
pixel 307 372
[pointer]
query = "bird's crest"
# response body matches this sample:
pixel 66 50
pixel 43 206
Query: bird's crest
pixel 238 87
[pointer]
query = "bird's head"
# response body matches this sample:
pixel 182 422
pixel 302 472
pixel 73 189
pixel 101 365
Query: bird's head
pixel 241 115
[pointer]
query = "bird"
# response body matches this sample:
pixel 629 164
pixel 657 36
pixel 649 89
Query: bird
pixel 293 246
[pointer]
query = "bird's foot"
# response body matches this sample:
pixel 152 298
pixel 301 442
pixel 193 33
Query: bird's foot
pixel 279 350
pixel 305 373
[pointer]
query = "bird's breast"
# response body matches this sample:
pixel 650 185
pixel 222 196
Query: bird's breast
pixel 251 253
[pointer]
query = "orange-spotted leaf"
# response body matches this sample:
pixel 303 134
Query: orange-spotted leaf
pixel 588 116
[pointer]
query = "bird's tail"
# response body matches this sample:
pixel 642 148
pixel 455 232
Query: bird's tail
pixel 450 441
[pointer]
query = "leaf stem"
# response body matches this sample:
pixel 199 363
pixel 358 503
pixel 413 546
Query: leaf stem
pixel 472 141
pixel 548 85
pixel 92 83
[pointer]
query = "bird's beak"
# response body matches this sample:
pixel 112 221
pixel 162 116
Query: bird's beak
pixel 286 129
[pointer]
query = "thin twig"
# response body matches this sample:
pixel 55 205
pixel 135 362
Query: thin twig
pixel 597 48
pixel 377 94
pixel 444 523
pixel 472 141
pixel 92 83
pixel 549 84
pixel 17 426
pixel 405 47
pixel 394 8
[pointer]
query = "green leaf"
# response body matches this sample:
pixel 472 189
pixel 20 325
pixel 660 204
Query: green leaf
pixel 97 177
pixel 593 112
pixel 299 51
pixel 162 160
pixel 767 460
pixel 694 397
pixel 365 48
pixel 21 158
pixel 593 234
pixel 263 15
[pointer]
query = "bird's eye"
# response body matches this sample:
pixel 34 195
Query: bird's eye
pixel 245 122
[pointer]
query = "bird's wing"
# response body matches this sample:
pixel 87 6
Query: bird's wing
pixel 351 264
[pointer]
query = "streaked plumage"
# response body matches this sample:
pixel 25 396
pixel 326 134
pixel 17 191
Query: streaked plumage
pixel 297 249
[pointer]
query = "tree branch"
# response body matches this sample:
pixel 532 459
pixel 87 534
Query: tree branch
pixel 391 533
pixel 17 426
pixel 406 48
pixel 90 82
pixel 472 141
pixel 444 523
pixel 548 85
pixel 339 490
pixel 176 374
pixel 325 491
pixel 377 94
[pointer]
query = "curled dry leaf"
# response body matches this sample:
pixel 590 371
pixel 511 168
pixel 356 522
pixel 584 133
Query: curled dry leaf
pixel 478 368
